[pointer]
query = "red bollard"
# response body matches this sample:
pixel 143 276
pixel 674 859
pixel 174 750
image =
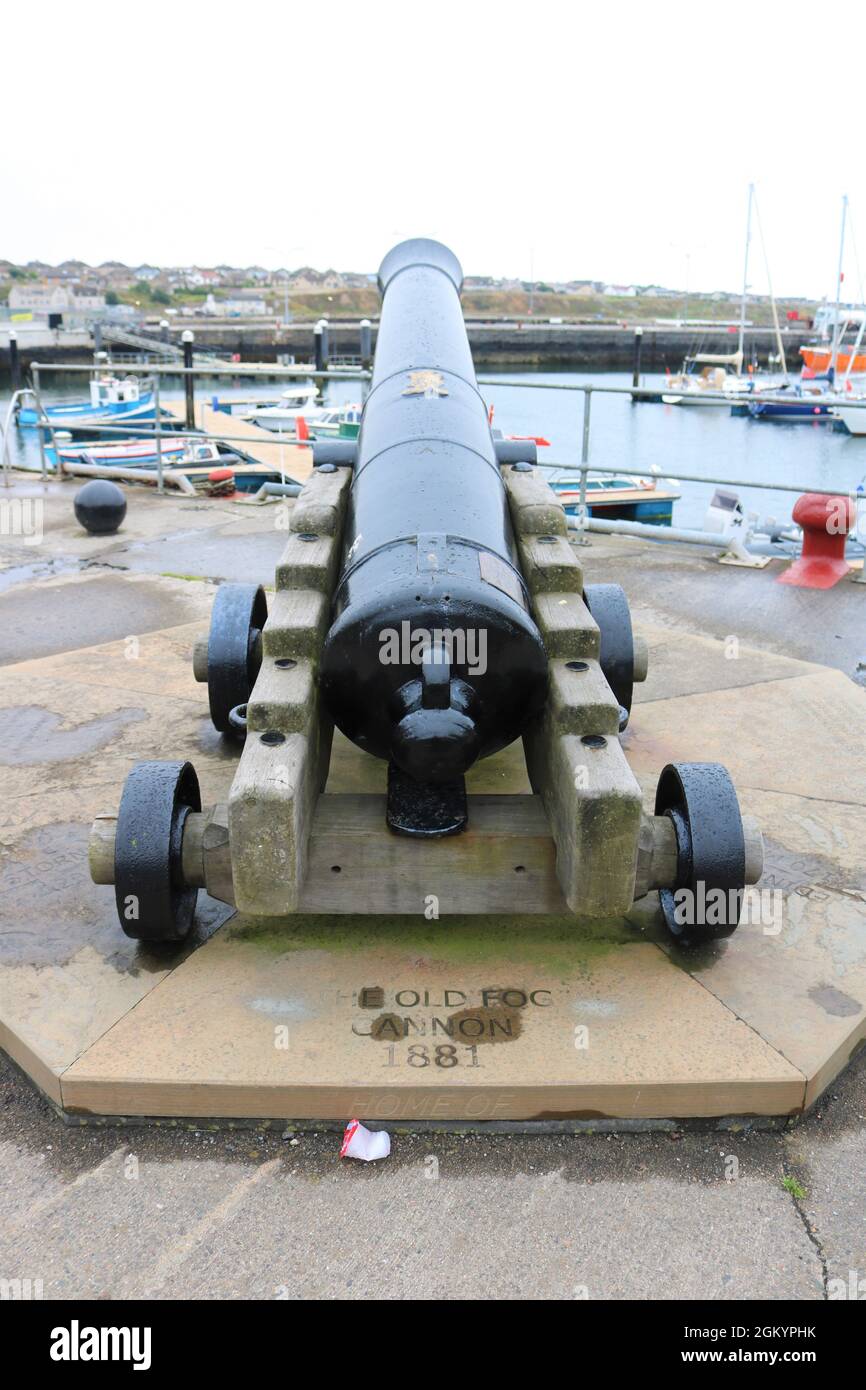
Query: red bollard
pixel 826 522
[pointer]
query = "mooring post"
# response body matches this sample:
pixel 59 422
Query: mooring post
pixel 638 344
pixel 320 340
pixel 318 356
pixel 163 330
pixel 14 361
pixel 326 346
pixel 40 416
pixel 366 330
pixel 189 380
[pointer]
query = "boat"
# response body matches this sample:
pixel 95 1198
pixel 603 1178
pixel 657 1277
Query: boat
pixel 299 400
pixel 240 407
pixel 692 387
pixel 832 359
pixel 707 376
pixel 339 422
pixel 136 453
pixel 113 400
pixel 621 498
pixel 227 477
pixel 206 464
pixel 129 453
pixel 852 417
pixel 807 403
pixel 817 358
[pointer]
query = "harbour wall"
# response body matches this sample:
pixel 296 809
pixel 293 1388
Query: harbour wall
pixel 583 347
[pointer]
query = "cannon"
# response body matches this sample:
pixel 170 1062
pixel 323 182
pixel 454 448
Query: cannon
pixel 428 604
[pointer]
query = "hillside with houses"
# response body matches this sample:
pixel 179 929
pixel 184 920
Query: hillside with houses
pixel 74 292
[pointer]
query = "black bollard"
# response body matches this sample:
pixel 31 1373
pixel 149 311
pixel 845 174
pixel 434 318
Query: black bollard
pixel 320 342
pixel 189 380
pixel 100 507
pixel 14 361
pixel 366 343
pixel 638 344
pixel 318 354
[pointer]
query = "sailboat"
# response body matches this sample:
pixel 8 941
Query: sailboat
pixel 853 417
pixel 705 376
pixel 810 401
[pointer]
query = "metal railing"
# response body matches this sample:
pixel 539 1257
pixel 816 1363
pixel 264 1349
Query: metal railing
pixel 156 431
pixel 587 389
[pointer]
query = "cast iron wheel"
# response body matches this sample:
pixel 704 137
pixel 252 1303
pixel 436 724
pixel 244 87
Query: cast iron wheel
pixel 233 660
pixel 711 853
pixel 153 903
pixel 609 607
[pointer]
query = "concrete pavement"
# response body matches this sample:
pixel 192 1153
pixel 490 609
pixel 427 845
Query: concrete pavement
pixel 171 1212
pixel 116 1213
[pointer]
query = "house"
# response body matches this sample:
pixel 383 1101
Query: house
pixel 308 279
pixel 52 297
pixel 38 297
pixel 621 291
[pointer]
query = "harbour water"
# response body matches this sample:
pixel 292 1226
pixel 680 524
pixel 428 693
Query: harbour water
pixel 639 439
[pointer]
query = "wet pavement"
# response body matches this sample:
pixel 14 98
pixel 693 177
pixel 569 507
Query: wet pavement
pixel 170 1211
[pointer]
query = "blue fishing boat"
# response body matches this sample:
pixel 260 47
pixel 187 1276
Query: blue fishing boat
pixel 113 401
pixel 623 498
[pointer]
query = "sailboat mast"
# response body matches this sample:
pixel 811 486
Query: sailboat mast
pixel 834 353
pixel 745 277
pixel 780 346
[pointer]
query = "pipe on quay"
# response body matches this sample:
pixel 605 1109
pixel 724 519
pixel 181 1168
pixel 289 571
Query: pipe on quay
pixel 276 490
pixel 128 475
pixel 654 533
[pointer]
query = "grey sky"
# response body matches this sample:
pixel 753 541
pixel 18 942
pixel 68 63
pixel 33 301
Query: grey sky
pixel 611 143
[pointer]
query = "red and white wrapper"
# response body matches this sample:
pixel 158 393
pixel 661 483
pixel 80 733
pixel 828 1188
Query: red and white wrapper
pixel 365 1144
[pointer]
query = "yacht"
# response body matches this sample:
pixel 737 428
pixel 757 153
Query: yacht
pixel 298 401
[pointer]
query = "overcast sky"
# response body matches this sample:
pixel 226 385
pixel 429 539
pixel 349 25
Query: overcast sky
pixel 536 139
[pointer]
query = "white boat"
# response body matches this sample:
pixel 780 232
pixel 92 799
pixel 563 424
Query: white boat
pixel 692 387
pixel 852 417
pixel 338 422
pixel 299 400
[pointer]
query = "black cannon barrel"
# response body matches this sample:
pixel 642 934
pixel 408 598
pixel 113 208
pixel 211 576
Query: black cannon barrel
pixel 432 659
